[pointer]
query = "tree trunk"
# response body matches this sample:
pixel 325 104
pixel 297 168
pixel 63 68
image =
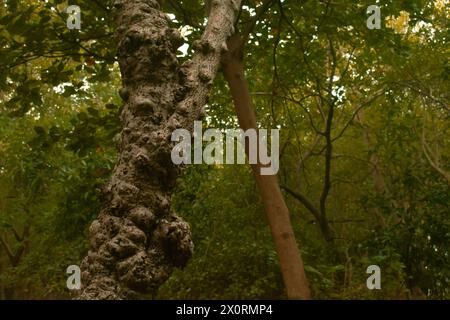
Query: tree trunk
pixel 136 241
pixel 276 210
pixel 377 177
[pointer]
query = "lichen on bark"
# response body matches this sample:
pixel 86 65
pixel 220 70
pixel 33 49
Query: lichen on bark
pixel 137 240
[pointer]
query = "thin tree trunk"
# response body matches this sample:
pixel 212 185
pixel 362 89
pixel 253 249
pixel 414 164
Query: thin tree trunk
pixel 276 210
pixel 136 241
pixel 377 176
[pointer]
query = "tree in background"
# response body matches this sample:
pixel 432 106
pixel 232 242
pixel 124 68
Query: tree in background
pixel 376 168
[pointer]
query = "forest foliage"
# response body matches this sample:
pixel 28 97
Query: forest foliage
pixel 389 199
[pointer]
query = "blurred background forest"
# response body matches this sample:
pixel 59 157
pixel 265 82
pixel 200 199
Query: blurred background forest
pixel 389 197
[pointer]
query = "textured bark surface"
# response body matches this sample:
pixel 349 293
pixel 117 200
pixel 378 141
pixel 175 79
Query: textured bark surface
pixel 136 241
pixel 277 212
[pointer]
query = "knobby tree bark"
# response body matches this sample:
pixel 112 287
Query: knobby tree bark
pixel 291 263
pixel 136 241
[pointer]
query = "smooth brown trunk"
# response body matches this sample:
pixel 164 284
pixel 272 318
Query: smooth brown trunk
pixel 275 207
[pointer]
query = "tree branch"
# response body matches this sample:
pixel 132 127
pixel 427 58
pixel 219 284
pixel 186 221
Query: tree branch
pixel 303 200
